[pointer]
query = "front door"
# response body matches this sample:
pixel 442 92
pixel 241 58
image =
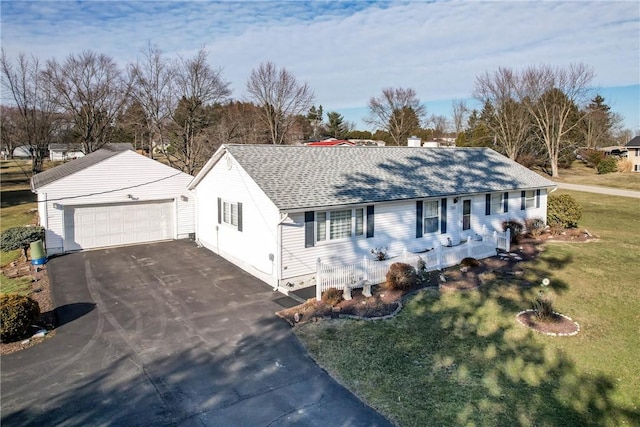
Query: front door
pixel 466 214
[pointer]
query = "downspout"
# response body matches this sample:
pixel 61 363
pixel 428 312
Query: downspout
pixel 283 218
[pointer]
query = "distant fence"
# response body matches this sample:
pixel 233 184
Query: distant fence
pixel 373 272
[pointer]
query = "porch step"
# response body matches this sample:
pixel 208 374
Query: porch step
pixel 302 295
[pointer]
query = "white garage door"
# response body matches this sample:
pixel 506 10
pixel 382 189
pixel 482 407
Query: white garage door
pixel 96 226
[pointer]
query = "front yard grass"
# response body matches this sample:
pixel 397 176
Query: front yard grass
pixel 18 207
pixel 460 358
pixel 580 174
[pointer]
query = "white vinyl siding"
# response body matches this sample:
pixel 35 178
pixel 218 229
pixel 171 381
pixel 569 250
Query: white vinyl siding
pixel 255 249
pixel 126 177
pixel 395 230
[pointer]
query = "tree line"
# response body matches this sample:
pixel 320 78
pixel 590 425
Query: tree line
pixel 183 107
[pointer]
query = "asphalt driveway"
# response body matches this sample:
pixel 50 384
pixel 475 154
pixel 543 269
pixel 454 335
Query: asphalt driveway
pixel 169 334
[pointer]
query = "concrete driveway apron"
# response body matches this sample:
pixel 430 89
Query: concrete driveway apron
pixel 169 334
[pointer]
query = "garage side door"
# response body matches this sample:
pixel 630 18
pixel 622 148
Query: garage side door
pixel 96 226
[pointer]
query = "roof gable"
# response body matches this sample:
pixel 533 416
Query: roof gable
pixel 299 177
pixel 54 174
pixel 635 142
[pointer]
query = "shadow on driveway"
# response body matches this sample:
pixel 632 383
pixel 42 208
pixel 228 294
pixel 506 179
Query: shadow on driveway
pixel 174 335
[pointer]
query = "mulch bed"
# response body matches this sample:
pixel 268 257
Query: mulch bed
pixel 41 293
pixel 559 325
pixel 385 302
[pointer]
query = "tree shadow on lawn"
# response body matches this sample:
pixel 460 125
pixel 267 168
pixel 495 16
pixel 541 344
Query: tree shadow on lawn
pixel 465 360
pixel 16 197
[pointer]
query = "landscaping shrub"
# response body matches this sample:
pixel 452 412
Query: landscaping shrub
pixel 401 276
pixel 469 262
pixel 563 211
pixel 332 296
pixel 20 238
pixel 608 165
pixel 516 228
pixel 625 165
pixel 543 307
pixel 535 226
pixel 593 157
pixel 17 314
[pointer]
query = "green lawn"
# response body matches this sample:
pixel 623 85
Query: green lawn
pixel 579 173
pixel 462 359
pixel 18 207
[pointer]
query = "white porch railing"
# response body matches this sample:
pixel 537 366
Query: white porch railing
pixel 371 272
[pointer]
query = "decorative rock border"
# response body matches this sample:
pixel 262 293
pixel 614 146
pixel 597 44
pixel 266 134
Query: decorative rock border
pixel 553 334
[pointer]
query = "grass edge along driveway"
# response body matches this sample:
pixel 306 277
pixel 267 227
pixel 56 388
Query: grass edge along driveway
pixel 461 358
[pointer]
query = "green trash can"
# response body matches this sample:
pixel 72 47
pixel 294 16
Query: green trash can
pixel 38 255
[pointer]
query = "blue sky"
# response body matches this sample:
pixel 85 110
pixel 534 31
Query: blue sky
pixel 349 51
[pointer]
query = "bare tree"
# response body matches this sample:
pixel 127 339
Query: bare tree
pixel 508 118
pixel 397 111
pixel 239 123
pixel 34 104
pixel 460 114
pixel 92 90
pixel 552 95
pixel 152 88
pixel 10 134
pixel 280 97
pixel 197 88
pixel 440 125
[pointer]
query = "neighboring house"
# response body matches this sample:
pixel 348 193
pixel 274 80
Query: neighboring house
pixel 331 143
pixel 274 210
pixel 112 197
pixel 633 153
pixel 22 151
pixel 69 151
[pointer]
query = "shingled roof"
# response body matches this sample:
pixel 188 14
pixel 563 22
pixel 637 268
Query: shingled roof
pixel 47 177
pixel 635 142
pixel 300 177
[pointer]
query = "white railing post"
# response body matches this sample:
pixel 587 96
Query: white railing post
pixel 495 238
pixel 365 266
pixel 469 251
pixel 484 232
pixel 439 256
pixel 318 280
pixel 404 255
pixel 507 241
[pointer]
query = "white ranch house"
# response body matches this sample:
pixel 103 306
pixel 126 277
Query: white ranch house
pixel 275 210
pixel 111 197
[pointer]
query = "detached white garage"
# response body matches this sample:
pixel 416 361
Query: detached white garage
pixel 113 197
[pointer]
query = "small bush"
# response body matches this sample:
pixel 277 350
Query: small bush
pixel 401 276
pixel 516 228
pixel 593 157
pixel 535 226
pixel 20 238
pixel 608 165
pixel 332 296
pixel 379 253
pixel 563 211
pixel 543 307
pixel 469 262
pixel 17 314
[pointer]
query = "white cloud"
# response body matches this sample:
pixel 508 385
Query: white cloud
pixel 347 51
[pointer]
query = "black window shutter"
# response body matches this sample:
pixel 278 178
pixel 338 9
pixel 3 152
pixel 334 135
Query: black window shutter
pixel 537 198
pixel 522 197
pixel 308 229
pixel 419 218
pixel 506 202
pixel 487 204
pixel 443 216
pixel 219 210
pixel 370 223
pixel 239 216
